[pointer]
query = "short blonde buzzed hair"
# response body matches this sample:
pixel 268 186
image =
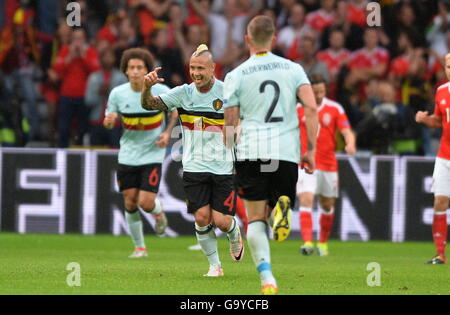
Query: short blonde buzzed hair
pixel 261 30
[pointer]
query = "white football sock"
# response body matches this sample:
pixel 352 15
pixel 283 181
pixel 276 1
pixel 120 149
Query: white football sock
pixel 207 239
pixel 259 246
pixel 158 207
pixel 234 231
pixel 136 230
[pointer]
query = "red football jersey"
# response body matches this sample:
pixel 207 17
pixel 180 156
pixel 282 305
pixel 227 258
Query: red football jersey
pixel 442 110
pixel 357 14
pixel 332 117
pixel 364 58
pixel 400 66
pixel 334 60
pixel 319 20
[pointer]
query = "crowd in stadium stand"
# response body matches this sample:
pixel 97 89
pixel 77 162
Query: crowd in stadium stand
pixel 55 79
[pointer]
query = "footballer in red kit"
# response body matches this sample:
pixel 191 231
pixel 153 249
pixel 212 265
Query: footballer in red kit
pixel 324 182
pixel 320 19
pixel 441 176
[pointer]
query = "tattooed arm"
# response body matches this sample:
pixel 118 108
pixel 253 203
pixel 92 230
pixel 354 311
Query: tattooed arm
pixel 148 101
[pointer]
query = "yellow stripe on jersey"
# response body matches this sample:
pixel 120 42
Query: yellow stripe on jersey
pixel 142 121
pixel 195 119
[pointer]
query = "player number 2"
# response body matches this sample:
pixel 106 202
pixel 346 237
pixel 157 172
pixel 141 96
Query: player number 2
pixel 276 98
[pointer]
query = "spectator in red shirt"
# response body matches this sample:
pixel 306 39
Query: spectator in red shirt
pixel 325 16
pixel 147 13
pixel 73 66
pixel 357 12
pixel 369 62
pixel 335 56
pixel 406 64
pixel 110 31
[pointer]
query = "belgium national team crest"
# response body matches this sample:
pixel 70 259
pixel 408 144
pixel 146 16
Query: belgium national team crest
pixel 218 104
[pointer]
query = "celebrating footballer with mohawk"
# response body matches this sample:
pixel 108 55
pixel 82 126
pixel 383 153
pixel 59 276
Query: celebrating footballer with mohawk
pixel 207 163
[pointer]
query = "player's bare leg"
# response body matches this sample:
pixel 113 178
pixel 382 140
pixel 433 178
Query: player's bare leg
pixel 206 237
pixel 269 215
pixel 440 229
pixel 134 221
pixel 258 241
pixel 326 224
pixel 229 225
pixel 149 202
pixel 306 222
pixel 242 213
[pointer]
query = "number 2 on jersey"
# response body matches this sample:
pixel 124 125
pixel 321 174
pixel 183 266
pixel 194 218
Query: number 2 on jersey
pixel 262 89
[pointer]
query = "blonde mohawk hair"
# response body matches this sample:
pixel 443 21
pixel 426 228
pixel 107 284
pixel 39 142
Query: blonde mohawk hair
pixel 200 50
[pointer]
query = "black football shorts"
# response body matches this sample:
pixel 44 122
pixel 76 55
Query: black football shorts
pixel 204 189
pixel 145 177
pixel 255 181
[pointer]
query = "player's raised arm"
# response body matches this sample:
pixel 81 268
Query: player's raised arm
pixel 148 101
pixel 306 96
pixel 431 121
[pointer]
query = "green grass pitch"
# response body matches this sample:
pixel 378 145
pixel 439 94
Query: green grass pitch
pixel 36 264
